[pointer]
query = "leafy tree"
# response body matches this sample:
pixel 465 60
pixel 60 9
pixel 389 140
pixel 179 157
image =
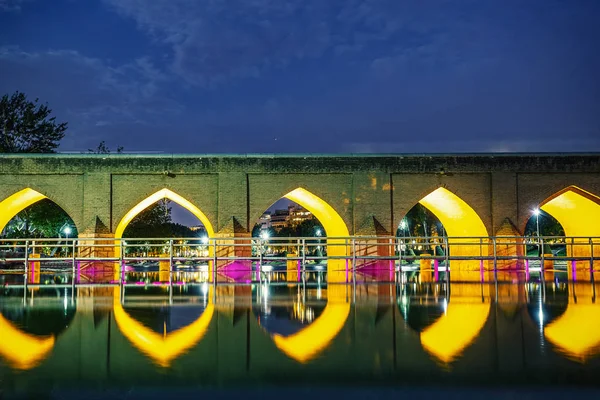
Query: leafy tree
pixel 549 226
pixel 256 230
pixel 26 126
pixel 156 221
pixel 44 219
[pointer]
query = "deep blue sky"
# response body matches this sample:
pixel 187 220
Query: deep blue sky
pixel 310 75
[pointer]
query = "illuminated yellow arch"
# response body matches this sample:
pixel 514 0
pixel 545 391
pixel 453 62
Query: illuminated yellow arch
pixel 454 331
pixel 576 210
pixel 16 203
pixel 306 344
pixel 459 220
pixel 160 195
pixel 334 226
pixel 23 351
pixel 577 331
pixel 162 349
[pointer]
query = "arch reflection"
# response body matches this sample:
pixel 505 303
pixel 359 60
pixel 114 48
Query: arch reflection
pixel 23 351
pixel 576 333
pixel 449 325
pixel 308 342
pixel 28 335
pixel 162 349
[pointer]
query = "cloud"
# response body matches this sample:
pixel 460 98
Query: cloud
pixel 87 92
pixel 213 41
pixel 12 5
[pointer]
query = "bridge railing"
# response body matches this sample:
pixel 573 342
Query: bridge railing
pixel 180 261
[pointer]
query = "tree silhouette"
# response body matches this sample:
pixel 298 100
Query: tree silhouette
pixel 26 126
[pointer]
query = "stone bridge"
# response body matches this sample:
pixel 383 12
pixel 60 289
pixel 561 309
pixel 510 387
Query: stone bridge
pixel 471 194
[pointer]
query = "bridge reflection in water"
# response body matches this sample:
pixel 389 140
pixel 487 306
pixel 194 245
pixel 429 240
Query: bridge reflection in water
pixel 290 333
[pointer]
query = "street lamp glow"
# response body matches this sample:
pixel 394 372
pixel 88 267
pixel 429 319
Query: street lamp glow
pixel 67 230
pixel 318 232
pixel 204 239
pixel 264 235
pixel 536 212
pixel 403 224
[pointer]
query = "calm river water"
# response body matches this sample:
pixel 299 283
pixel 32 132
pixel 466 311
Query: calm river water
pixel 289 340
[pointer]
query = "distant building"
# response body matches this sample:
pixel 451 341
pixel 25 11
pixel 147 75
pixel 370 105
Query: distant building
pixel 298 214
pixel 197 228
pixel 280 219
pixel 265 220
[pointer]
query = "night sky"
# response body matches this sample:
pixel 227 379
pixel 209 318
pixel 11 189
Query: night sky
pixel 327 76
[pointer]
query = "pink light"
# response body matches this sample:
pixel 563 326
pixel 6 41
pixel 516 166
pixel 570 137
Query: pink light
pixel 481 269
pixel 526 270
pixel 346 270
pixel 436 268
pixel 574 269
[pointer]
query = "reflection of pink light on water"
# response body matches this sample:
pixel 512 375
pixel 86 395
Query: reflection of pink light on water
pixel 238 271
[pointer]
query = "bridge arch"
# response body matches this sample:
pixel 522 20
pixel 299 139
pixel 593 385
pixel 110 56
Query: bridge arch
pixel 19 201
pixel 153 198
pixel 578 211
pixel 461 223
pixel 334 225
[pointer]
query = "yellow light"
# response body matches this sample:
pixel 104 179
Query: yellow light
pixel 454 331
pixel 459 220
pixel 577 211
pixel 577 331
pixel 21 350
pixel 162 349
pixel 304 345
pixel 334 226
pixel 16 203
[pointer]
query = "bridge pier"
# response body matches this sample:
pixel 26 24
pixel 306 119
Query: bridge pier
pixel 98 246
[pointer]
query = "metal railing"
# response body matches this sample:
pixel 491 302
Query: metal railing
pixel 182 261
